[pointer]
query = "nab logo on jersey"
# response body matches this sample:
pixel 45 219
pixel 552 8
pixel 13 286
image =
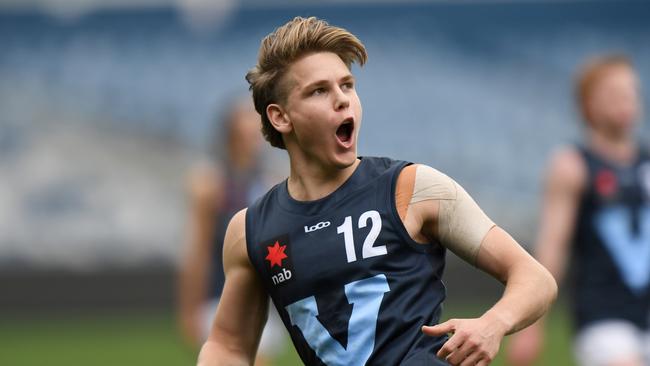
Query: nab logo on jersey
pixel 281 277
pixel 279 263
pixel 320 225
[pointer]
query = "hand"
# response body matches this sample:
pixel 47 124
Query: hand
pixel 474 341
pixel 524 347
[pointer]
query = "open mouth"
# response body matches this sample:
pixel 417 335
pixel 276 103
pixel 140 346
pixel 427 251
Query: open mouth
pixel 345 130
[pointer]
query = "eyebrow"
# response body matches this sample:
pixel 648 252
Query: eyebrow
pixel 346 78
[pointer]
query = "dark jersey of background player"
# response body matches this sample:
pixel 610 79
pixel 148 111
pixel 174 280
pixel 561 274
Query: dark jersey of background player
pixel 611 251
pixel 240 189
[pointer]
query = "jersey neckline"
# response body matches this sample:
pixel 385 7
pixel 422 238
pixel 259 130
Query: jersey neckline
pixel 312 207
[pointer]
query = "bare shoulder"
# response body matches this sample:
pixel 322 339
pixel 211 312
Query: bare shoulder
pixel 419 192
pixel 431 174
pixel 234 246
pixel 567 169
pixel 427 183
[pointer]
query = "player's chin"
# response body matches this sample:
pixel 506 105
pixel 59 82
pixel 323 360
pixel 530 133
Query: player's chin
pixel 344 159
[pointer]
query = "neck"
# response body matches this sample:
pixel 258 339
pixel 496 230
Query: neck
pixel 309 180
pixel 621 149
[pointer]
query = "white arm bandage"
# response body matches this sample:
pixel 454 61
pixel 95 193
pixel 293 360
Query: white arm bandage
pixel 462 224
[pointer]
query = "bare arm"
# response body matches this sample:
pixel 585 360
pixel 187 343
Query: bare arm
pixel 564 183
pixel 529 287
pixel 243 307
pixel 529 291
pixel 205 196
pixel 451 217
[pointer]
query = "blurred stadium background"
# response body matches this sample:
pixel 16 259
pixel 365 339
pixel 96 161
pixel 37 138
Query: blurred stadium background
pixel 104 106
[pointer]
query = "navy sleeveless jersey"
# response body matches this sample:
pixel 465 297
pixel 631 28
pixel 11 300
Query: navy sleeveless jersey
pixel 349 283
pixel 611 243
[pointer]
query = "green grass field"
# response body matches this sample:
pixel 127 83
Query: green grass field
pixel 150 338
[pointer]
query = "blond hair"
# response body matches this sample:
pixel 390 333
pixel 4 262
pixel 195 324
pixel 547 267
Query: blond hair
pixel 590 75
pixel 278 50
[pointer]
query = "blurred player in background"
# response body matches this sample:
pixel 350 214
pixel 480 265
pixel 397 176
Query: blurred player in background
pixel 352 249
pixel 596 213
pixel 217 192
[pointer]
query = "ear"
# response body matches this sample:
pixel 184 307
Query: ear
pixel 279 118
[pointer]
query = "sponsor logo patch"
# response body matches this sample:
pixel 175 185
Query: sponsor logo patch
pixel 606 183
pixel 276 254
pixel 278 264
pixel 320 225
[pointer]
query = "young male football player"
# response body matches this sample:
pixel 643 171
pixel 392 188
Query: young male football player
pixel 351 250
pixel 596 211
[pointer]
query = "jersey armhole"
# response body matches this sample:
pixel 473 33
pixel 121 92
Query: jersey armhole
pixel 397 221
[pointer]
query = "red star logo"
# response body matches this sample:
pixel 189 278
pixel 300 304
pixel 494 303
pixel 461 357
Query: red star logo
pixel 276 254
pixel 606 183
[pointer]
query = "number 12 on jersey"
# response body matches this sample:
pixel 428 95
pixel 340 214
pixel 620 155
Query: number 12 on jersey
pixel 368 250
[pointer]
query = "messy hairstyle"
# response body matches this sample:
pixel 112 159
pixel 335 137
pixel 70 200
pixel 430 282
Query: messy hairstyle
pixel 591 73
pixel 288 43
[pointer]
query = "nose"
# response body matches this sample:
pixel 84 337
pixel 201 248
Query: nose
pixel 342 100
